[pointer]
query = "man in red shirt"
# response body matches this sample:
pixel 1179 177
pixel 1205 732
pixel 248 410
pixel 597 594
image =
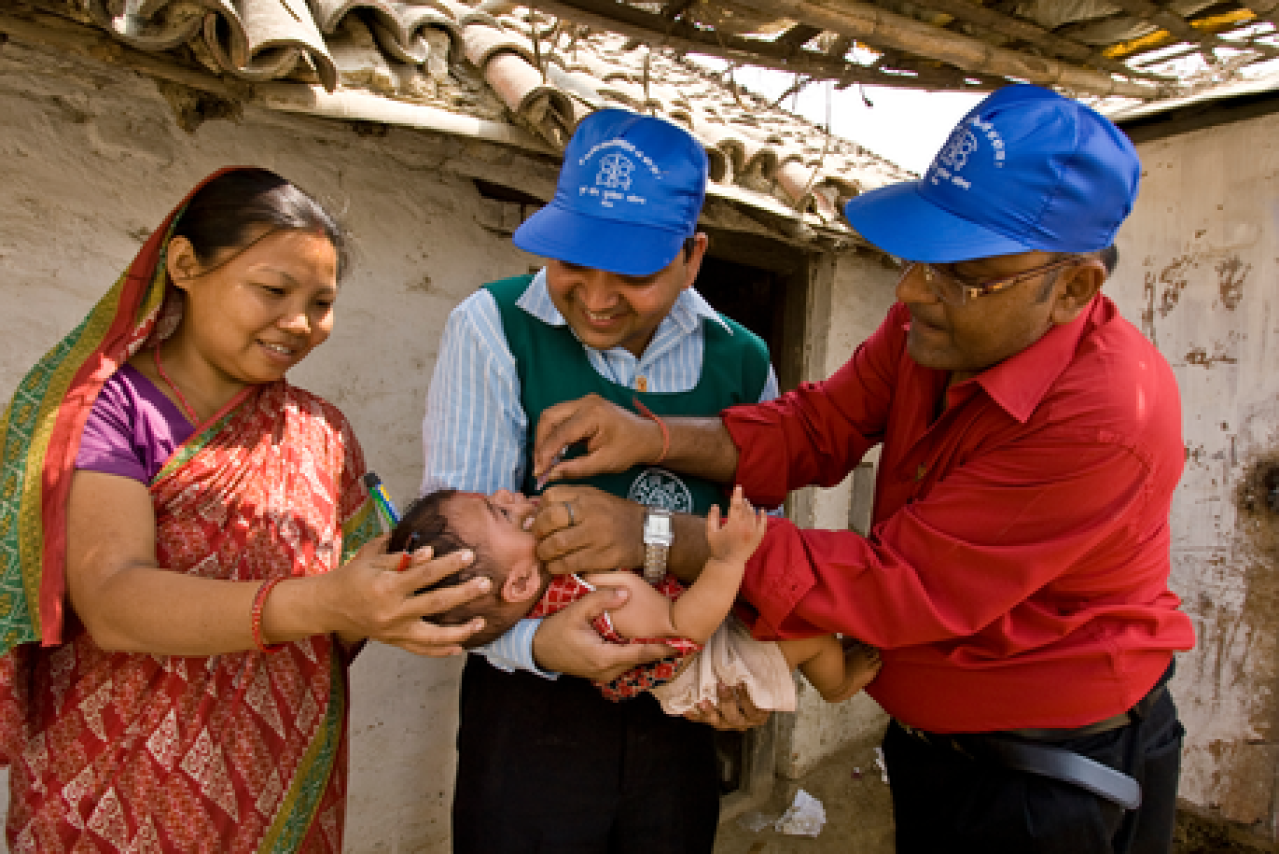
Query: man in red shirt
pixel 1016 576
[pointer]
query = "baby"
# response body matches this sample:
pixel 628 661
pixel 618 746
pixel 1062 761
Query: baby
pixel 714 648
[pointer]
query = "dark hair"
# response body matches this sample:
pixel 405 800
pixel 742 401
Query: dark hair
pixel 225 213
pixel 690 244
pixel 425 523
pixel 1109 258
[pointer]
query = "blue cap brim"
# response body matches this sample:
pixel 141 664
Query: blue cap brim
pixel 900 221
pixel 620 247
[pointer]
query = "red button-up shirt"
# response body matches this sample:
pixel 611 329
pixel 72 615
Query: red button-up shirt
pixel 1017 571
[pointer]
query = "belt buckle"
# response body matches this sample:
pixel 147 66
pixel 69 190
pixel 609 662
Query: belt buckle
pixel 937 741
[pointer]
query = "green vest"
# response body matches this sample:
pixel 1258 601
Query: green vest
pixel 553 368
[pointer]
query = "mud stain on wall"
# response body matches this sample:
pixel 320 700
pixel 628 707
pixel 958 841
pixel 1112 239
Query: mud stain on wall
pixel 1161 291
pixel 1232 273
pixel 1201 357
pixel 1172 280
pixel 1247 788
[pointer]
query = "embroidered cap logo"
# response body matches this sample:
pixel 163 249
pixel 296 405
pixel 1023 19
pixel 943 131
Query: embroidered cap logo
pixel 961 144
pixel 955 155
pixel 615 172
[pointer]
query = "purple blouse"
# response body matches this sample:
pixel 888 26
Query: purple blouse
pixel 132 429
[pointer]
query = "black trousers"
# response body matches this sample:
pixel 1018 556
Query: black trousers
pixel 552 766
pixel 943 800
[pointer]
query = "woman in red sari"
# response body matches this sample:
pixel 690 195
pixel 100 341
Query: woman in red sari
pixel 206 524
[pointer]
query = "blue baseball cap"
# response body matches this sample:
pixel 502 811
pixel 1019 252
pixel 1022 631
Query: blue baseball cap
pixel 1026 170
pixel 629 194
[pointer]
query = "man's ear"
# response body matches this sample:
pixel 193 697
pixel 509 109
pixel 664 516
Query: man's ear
pixel 693 264
pixel 181 262
pixel 1076 288
pixel 522 583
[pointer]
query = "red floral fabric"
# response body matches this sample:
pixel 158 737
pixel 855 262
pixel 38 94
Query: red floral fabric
pixel 566 589
pixel 230 753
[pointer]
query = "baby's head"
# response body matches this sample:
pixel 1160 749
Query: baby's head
pixel 494 528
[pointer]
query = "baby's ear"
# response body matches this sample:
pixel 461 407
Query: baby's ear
pixel 522 583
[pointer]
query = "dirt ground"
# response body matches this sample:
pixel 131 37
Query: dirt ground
pixel 858 812
pixel 859 817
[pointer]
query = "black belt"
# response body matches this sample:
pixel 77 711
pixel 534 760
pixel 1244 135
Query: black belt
pixel 1122 719
pixel 1042 759
pixel 1015 749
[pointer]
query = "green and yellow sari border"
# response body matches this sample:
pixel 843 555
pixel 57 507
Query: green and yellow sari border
pixel 301 803
pixel 26 431
pixel 193 446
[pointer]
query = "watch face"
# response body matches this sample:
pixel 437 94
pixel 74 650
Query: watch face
pixel 657 526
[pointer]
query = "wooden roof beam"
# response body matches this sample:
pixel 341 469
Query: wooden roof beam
pixel 1265 10
pixel 1182 29
pixel 1137 51
pixel 1036 35
pixel 880 29
pixel 797 36
pixel 678 35
pixel 895 60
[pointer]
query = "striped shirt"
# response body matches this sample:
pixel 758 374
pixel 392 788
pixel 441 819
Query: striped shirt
pixel 475 431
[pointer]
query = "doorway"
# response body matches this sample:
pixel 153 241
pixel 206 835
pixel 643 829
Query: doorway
pixel 763 285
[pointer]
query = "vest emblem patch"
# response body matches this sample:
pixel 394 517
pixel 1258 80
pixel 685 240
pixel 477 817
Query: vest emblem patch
pixel 659 488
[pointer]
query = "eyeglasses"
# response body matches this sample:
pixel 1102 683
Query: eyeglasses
pixel 953 289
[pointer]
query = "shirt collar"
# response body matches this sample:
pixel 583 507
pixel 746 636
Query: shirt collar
pixel 1019 383
pixel 689 307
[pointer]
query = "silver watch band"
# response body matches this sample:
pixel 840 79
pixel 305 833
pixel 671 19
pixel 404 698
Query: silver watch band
pixel 655 562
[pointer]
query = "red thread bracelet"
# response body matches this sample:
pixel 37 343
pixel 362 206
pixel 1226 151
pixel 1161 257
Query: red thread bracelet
pixel 666 434
pixel 258 601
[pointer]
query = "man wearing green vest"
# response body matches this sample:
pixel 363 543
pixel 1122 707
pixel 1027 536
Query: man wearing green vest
pixel 545 763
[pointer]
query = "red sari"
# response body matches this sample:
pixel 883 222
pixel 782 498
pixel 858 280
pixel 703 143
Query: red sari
pixel 238 752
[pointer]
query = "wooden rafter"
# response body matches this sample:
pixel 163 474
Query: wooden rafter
pixel 882 29
pixel 1135 51
pixel 797 36
pixel 1265 11
pixel 891 60
pixel 654 30
pixel 1033 34
pixel 675 8
pixel 1205 36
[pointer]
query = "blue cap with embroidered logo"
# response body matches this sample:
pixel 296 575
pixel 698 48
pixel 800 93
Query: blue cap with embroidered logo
pixel 629 193
pixel 1026 170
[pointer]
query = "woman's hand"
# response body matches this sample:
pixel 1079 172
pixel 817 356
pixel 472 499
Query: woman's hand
pixel 566 642
pixel 583 529
pixel 371 597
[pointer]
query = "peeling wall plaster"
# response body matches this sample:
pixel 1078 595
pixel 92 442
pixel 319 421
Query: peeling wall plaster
pixel 1197 273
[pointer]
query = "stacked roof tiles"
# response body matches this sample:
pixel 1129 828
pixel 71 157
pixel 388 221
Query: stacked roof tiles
pixel 501 63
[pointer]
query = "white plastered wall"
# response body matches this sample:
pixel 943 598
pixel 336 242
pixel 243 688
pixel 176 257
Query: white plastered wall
pixel 1197 274
pixel 849 294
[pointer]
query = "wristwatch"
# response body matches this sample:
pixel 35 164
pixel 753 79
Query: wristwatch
pixel 659 533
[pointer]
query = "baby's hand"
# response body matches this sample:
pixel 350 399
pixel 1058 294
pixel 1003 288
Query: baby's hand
pixel 738 538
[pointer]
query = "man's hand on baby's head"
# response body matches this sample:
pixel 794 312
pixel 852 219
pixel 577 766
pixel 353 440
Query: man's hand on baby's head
pixel 740 534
